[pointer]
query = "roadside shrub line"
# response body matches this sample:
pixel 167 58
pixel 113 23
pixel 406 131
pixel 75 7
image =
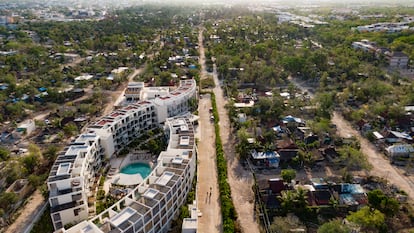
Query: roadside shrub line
pixel 228 212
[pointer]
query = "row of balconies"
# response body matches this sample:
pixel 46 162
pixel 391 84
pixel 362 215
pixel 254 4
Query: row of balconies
pixel 69 205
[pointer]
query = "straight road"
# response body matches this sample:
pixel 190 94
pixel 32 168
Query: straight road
pixel 211 221
pixel 240 180
pixel 208 204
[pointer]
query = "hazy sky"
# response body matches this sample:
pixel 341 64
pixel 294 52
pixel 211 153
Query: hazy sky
pixel 299 3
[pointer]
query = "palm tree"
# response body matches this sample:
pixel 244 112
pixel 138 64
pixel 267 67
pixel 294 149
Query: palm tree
pixel 287 200
pixel 301 199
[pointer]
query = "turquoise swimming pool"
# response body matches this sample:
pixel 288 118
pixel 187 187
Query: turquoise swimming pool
pixel 134 168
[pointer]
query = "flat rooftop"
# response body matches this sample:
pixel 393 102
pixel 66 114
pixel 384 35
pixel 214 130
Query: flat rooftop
pixel 165 178
pixel 184 140
pixel 124 215
pixel 150 193
pixel 63 169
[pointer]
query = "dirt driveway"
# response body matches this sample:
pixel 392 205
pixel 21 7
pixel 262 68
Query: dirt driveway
pixel 28 212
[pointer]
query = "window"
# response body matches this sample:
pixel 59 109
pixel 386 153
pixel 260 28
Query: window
pixel 76 211
pixel 56 217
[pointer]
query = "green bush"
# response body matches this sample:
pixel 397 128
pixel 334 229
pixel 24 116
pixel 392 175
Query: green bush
pixel 228 212
pixel 100 195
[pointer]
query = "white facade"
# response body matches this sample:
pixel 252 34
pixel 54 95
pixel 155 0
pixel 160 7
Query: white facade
pixel 384 27
pixel 70 180
pixel 75 169
pixel 365 45
pixel 133 91
pixel 152 205
pixel 121 126
pixel 190 224
pixel 177 101
pixel 137 91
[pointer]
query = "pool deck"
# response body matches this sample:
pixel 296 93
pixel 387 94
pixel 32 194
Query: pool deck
pixel 124 179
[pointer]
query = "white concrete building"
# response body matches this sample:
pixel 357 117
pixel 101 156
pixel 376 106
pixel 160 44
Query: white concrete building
pixel 70 180
pixel 177 101
pixel 75 169
pixel 137 91
pixel 365 45
pixel 133 91
pixel 384 27
pixel 190 224
pixel 123 125
pixel 152 205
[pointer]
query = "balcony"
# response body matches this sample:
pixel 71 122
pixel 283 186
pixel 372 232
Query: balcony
pixel 65 206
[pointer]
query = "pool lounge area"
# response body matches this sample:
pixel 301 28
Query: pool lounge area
pixel 130 170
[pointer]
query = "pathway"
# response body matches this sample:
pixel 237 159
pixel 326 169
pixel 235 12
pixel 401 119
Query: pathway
pixel 28 213
pixel 207 174
pixel 207 169
pixel 381 166
pixel 240 180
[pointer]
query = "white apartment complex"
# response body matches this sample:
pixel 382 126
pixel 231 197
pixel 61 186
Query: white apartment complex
pixel 177 101
pixel 152 205
pixel 385 27
pixel 395 59
pixel 76 167
pixel 71 178
pixel 365 45
pixel 138 91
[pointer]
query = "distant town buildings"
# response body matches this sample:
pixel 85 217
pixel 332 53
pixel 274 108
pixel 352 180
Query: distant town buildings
pixel 304 21
pixel 385 27
pixel 395 59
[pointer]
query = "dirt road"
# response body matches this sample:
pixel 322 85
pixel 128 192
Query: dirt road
pixel 207 173
pixel 240 180
pixel 381 166
pixel 117 95
pixel 28 212
pixel 207 168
